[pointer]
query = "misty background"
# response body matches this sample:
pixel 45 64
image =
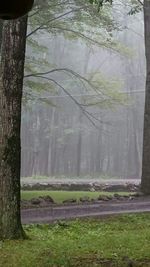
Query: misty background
pixel 69 129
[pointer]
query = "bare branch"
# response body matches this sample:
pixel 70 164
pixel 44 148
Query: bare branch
pixel 33 14
pixel 140 2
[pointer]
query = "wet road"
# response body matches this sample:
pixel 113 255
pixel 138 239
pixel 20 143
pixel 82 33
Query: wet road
pixel 101 209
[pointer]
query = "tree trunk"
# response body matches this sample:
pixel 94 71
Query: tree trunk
pixel 79 146
pixel 1 29
pixel 11 84
pixel 145 183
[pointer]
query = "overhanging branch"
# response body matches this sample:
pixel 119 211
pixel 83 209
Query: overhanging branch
pixel 77 75
pixel 87 114
pixel 51 20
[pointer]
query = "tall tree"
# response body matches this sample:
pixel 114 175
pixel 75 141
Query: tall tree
pixel 145 183
pixel 11 84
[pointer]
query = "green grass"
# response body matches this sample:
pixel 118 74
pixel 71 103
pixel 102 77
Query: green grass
pixel 82 244
pixel 60 196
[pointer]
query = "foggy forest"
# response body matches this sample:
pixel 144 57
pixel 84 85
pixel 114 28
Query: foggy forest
pixel 75 133
pixel 87 120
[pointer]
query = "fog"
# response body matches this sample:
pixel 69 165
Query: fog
pixel 86 119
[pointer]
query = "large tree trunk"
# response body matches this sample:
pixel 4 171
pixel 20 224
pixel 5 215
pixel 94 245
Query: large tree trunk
pixel 1 29
pixel 145 183
pixel 11 84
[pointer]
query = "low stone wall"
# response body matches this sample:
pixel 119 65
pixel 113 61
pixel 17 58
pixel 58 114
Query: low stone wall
pixel 126 187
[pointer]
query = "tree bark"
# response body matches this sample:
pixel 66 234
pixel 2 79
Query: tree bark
pixel 11 84
pixel 145 183
pixel 1 29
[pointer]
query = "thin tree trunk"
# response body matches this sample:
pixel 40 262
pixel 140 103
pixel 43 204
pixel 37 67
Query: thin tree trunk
pixel 11 84
pixel 145 183
pixel 79 146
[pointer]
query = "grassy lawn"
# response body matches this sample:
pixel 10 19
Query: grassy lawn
pixel 108 243
pixel 60 196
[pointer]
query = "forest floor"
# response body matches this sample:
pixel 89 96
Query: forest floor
pixel 122 241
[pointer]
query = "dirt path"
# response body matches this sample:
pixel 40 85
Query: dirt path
pixel 59 212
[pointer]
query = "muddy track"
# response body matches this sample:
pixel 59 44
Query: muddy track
pixel 65 212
